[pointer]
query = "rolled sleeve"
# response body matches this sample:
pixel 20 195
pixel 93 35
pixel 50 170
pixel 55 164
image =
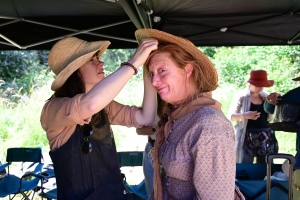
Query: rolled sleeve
pixel 59 119
pixel 119 114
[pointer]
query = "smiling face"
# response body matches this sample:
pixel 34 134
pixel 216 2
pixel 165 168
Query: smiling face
pixel 92 72
pixel 171 82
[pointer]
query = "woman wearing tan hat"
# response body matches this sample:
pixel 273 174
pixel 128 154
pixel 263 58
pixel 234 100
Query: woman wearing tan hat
pixel 254 138
pixel 77 117
pixel 194 148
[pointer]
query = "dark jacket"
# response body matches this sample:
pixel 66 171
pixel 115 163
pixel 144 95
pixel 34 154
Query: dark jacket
pixel 293 95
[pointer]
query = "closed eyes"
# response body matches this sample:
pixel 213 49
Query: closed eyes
pixel 95 55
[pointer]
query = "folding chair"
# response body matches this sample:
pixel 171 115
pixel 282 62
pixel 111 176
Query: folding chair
pixel 51 193
pixel 131 159
pixel 26 184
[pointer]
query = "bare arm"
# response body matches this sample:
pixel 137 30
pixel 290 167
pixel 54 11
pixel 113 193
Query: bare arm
pixel 146 115
pixel 247 115
pixel 145 130
pixel 107 89
pixel 237 116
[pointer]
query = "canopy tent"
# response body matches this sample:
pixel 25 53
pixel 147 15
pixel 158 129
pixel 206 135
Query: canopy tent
pixel 38 24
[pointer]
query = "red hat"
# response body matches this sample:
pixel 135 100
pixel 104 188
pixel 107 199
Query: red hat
pixel 259 78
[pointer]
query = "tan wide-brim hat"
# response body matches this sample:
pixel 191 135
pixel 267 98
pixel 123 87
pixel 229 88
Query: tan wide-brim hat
pixel 206 65
pixel 69 54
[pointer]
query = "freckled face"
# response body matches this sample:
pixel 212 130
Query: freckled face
pixel 92 72
pixel 169 80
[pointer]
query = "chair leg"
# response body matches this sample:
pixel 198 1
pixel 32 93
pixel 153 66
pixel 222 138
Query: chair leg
pixel 12 197
pixel 25 195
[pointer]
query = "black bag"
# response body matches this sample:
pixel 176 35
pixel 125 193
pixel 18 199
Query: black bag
pixel 286 116
pixel 260 142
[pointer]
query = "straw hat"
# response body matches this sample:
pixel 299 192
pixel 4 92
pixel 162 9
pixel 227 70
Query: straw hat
pixel 206 65
pixel 259 78
pixel 69 54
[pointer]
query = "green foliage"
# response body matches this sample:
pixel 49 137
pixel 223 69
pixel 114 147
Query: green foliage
pixel 208 51
pixel 114 57
pixel 224 94
pixel 22 71
pixel 20 124
pixel 281 63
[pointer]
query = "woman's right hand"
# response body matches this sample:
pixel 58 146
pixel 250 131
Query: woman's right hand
pixel 272 98
pixel 251 115
pixel 145 47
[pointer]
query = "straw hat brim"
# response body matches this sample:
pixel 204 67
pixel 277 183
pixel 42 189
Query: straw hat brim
pixel 61 78
pixel 207 67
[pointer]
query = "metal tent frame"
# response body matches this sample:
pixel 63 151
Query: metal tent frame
pixel 37 24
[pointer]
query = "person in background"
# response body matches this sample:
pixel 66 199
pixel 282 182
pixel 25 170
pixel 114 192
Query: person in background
pixel 269 106
pixel 148 157
pixel 254 138
pixel 194 155
pixel 78 116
